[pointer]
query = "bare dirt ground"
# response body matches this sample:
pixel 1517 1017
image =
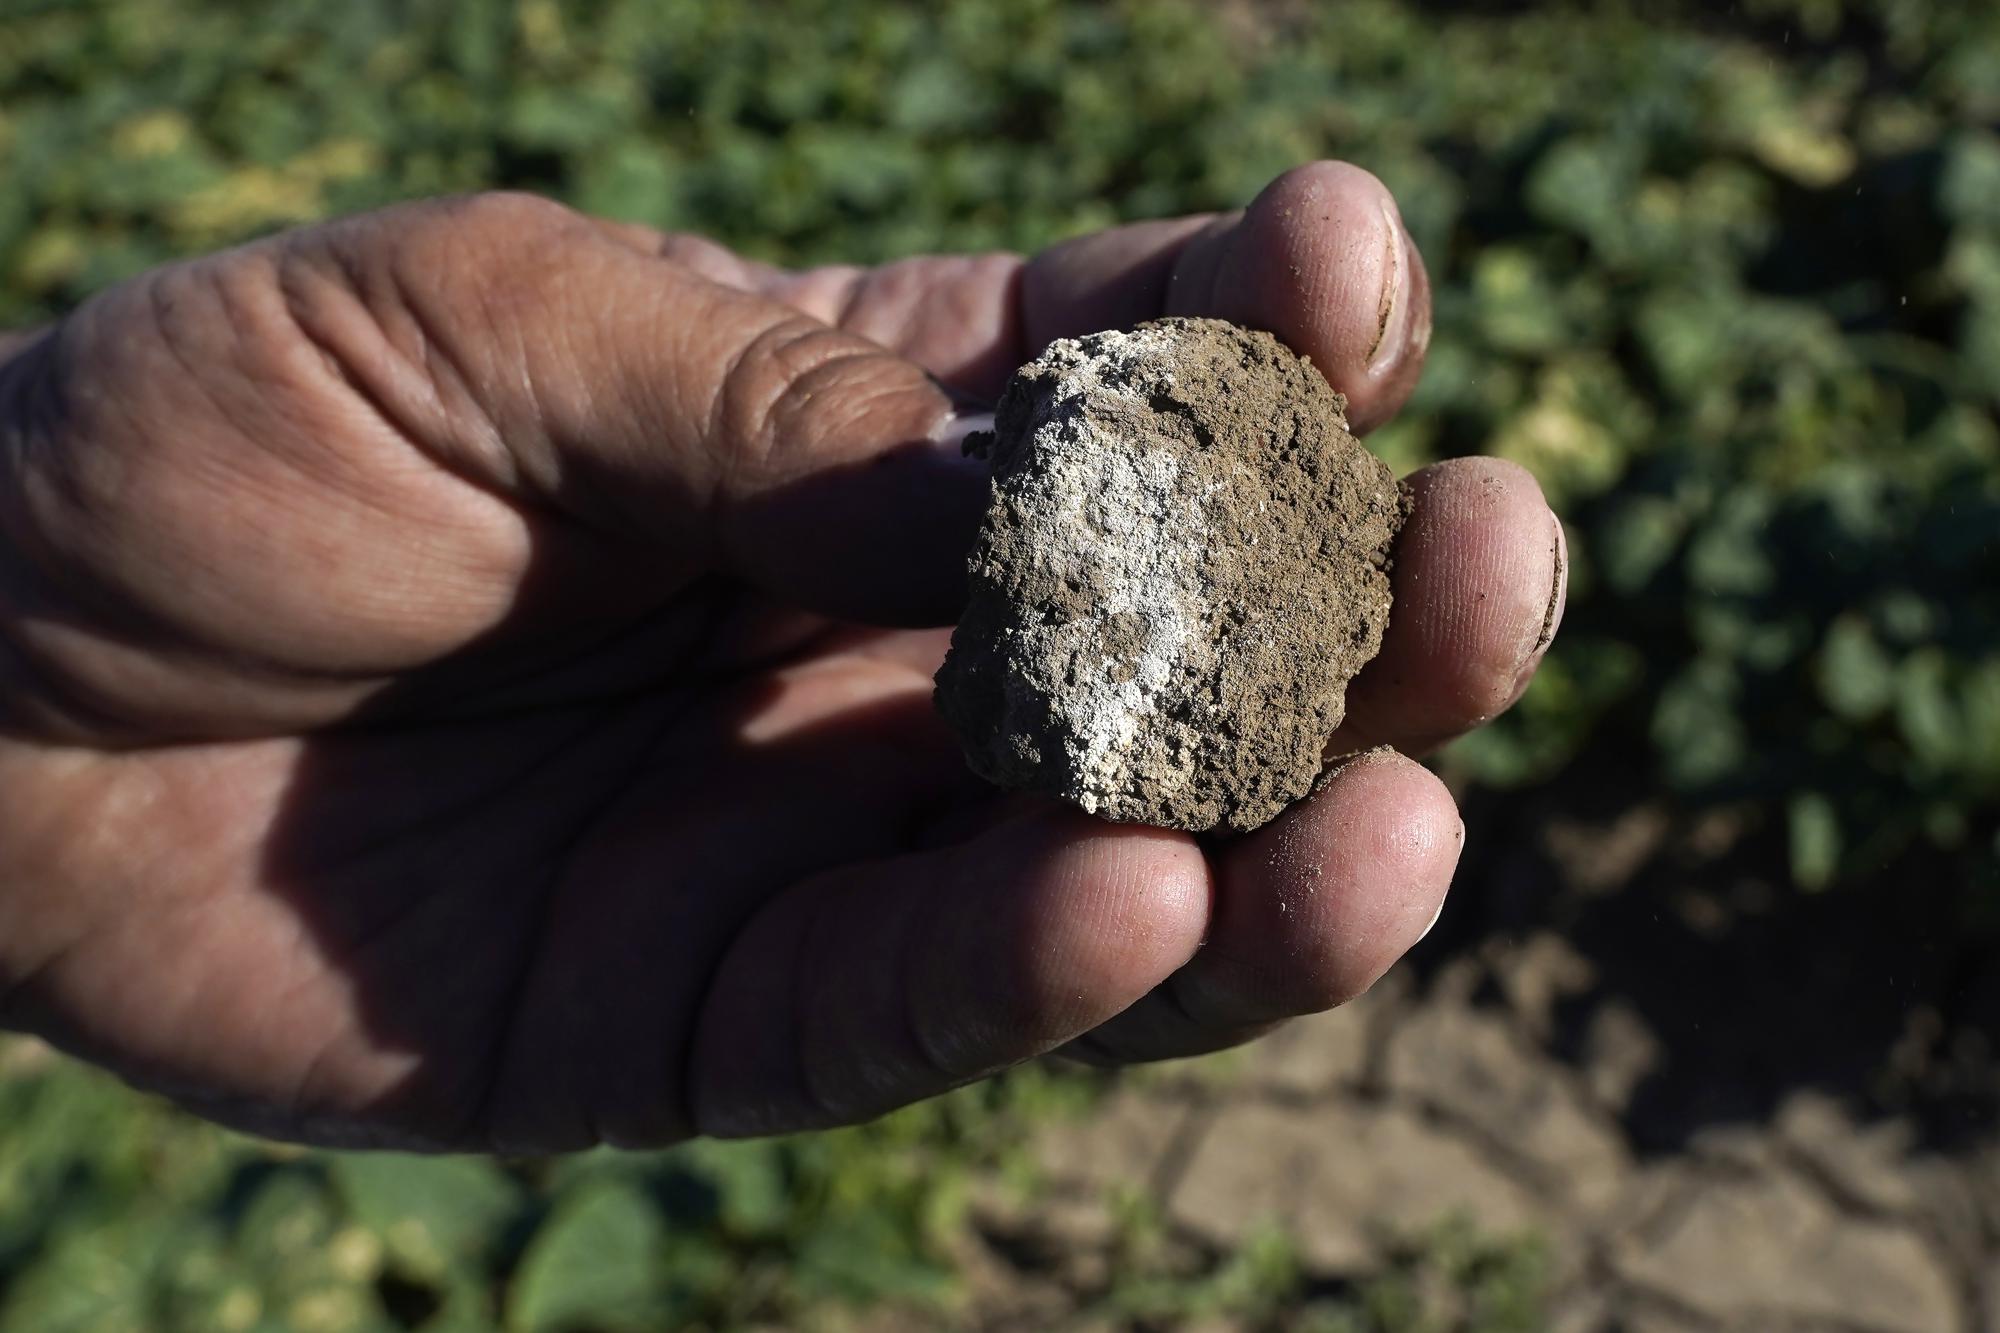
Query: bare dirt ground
pixel 1721 1106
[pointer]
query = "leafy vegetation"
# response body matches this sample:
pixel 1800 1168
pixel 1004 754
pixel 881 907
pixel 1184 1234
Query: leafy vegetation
pixel 118 1214
pixel 1732 290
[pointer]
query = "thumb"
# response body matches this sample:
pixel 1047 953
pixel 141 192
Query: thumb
pixel 542 352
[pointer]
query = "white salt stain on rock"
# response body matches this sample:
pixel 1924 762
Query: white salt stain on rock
pixel 1134 532
pixel 1147 576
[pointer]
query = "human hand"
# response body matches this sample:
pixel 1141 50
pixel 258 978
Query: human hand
pixel 437 707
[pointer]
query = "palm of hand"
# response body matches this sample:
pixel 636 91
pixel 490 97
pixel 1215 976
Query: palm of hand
pixel 501 930
pixel 589 857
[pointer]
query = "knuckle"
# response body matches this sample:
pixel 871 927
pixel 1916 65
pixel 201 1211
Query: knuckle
pixel 504 217
pixel 431 312
pixel 791 382
pixel 706 259
pixel 479 248
pixel 467 246
pixel 203 341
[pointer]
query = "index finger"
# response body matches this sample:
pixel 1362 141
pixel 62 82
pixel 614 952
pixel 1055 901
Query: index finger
pixel 1320 258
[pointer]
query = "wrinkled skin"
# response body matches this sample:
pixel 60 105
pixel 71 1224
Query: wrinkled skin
pixel 449 695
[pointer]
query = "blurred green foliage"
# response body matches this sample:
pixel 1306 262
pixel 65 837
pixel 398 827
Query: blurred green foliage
pixel 122 1216
pixel 1730 287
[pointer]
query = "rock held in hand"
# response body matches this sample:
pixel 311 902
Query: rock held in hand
pixel 1183 562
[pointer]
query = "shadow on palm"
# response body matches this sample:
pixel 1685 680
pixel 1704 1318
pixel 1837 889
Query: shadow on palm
pixel 529 878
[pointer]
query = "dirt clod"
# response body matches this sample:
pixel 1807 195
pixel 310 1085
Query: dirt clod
pixel 1183 561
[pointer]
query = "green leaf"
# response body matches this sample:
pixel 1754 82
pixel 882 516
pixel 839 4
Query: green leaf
pixel 1970 186
pixel 1586 183
pixel 933 96
pixel 1980 700
pixel 634 180
pixel 596 1263
pixel 868 1256
pixel 431 1213
pixel 1731 555
pixel 1696 727
pixel 1680 332
pixel 1856 678
pixel 288 1219
pixel 1641 536
pixel 1814 837
pixel 753 1195
pixel 562 119
pixel 1517 310
pixel 93 1281
pixel 1925 711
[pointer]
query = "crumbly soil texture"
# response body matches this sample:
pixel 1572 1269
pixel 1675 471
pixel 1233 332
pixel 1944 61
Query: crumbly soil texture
pixel 1184 560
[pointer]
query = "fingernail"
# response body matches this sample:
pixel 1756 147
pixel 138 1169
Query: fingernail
pixel 1552 618
pixel 954 435
pixel 1393 335
pixel 1438 915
